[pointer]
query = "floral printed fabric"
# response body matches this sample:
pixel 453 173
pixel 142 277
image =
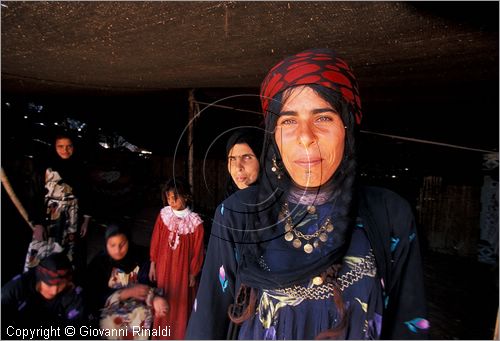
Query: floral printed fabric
pixel 62 213
pixel 124 315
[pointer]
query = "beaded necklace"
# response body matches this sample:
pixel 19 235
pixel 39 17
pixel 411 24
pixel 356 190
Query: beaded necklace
pixel 312 241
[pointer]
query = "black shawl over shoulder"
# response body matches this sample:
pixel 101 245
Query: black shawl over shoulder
pixel 99 272
pixel 388 216
pixel 73 172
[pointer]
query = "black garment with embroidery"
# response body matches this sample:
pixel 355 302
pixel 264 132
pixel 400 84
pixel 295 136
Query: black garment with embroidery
pixel 99 271
pixel 24 307
pixel 397 309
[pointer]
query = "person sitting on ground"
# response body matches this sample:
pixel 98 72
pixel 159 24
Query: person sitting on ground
pixel 43 297
pixel 120 294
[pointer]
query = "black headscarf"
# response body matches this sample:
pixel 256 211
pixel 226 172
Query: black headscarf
pixel 254 138
pixel 134 255
pixel 101 267
pixel 69 169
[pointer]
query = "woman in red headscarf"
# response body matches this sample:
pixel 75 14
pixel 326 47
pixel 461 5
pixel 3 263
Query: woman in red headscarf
pixel 308 253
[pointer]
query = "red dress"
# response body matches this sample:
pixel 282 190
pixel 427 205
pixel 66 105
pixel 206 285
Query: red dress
pixel 177 249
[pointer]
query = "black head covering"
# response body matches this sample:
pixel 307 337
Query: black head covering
pixel 132 258
pixel 254 138
pixel 69 169
pixel 115 229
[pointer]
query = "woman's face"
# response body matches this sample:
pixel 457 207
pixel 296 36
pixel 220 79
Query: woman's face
pixel 49 291
pixel 117 246
pixel 310 137
pixel 243 165
pixel 64 148
pixel 176 203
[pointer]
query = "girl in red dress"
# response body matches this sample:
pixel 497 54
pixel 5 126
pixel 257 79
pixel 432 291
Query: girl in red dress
pixel 176 253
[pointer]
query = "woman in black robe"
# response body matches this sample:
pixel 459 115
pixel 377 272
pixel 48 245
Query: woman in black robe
pixel 120 295
pixel 61 209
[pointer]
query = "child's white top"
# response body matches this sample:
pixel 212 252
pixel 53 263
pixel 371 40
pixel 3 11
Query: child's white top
pixel 178 223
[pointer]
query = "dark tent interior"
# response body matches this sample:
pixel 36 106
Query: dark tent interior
pixel 152 89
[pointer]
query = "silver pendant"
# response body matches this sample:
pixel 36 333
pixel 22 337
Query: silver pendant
pixel 297 243
pixel 317 280
pixel 323 237
pixel 311 209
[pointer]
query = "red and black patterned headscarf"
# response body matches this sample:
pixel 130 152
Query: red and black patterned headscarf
pixel 319 67
pixel 315 66
pixel 54 269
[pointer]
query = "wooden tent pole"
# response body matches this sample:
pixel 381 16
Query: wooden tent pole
pixel 496 336
pixel 12 195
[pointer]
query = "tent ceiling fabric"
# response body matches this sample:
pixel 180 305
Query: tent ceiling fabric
pixel 151 46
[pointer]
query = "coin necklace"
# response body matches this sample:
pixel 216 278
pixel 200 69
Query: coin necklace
pixel 312 241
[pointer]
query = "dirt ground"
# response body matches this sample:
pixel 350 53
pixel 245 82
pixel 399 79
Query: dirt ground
pixel 462 296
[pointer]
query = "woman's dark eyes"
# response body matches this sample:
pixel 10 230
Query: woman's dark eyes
pixel 245 157
pixel 288 121
pixel 323 118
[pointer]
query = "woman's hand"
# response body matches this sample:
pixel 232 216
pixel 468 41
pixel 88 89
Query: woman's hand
pixel 160 306
pixel 152 272
pixel 39 233
pixel 85 226
pixel 192 281
pixel 138 291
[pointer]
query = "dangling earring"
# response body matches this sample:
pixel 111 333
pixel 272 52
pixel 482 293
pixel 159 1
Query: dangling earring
pixel 276 169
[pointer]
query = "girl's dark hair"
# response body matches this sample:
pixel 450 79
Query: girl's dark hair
pixel 180 187
pixel 115 229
